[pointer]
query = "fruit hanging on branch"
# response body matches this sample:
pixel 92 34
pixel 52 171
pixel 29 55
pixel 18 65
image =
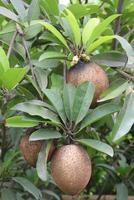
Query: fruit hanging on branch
pixel 88 71
pixel 71 168
pixel 30 150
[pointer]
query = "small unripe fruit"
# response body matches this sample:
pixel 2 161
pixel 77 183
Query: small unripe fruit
pixel 71 168
pixel 31 149
pixel 88 71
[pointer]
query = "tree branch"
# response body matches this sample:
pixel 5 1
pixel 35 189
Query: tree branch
pixel 126 75
pixel 117 23
pixel 12 43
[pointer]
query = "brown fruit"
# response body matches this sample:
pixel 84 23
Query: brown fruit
pixel 71 168
pixel 89 71
pixel 30 150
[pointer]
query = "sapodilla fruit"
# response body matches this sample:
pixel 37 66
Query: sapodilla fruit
pixel 30 150
pixel 71 168
pixel 88 71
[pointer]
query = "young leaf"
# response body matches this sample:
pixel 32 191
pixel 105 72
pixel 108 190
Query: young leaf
pixel 41 164
pixel 29 187
pixel 98 145
pixel 68 99
pixel 98 42
pixel 125 119
pixel 98 113
pixel 115 89
pixel 19 7
pixel 19 121
pixel 101 27
pixel 54 97
pixel 4 63
pixel 52 55
pixel 88 29
pixel 36 110
pixel 41 76
pixel 52 29
pixel 74 25
pixel 83 99
pixel 122 191
pixel 12 77
pixel 7 13
pixel 45 134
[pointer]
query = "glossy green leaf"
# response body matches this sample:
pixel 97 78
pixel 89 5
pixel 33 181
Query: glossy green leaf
pixel 53 30
pixel 98 42
pixel 114 90
pixel 12 77
pixel 55 98
pixel 74 25
pixel 4 63
pixel 45 134
pixel 52 55
pixel 7 13
pixel 88 29
pixel 42 78
pixel 41 165
pixel 20 121
pixel 97 145
pixel 19 7
pixel 122 192
pixel 98 113
pixel 68 99
pixel 82 101
pixel 36 110
pixel 29 187
pixel 99 29
pixel 125 118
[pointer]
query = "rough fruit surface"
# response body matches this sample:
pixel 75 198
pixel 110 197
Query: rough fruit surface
pixel 30 150
pixel 71 168
pixel 89 71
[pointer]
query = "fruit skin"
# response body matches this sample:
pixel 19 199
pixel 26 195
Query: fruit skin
pixel 88 71
pixel 71 168
pixel 30 150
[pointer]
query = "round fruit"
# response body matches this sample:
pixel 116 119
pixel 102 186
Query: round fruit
pixel 71 168
pixel 88 71
pixel 30 150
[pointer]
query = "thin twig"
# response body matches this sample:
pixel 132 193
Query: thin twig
pixel 3 146
pixel 126 75
pixel 65 72
pixel 12 43
pixel 117 23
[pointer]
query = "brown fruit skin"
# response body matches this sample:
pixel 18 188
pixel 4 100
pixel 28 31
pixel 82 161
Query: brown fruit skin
pixel 30 150
pixel 71 168
pixel 89 71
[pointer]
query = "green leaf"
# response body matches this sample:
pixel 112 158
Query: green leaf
pixel 42 78
pixel 127 48
pixel 41 165
pixel 53 194
pixel 7 13
pixel 68 99
pixel 88 29
pixel 98 145
pixel 52 55
pixel 36 110
pixel 73 25
pixel 101 28
pixel 98 113
pixel 122 192
pixel 19 7
pixel 45 134
pixel 29 187
pixel 33 10
pixel 53 30
pixel 20 121
pixel 54 97
pixel 12 77
pixel 57 81
pixel 125 118
pixel 7 194
pixel 114 90
pixel 83 99
pixel 98 42
pixel 4 63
